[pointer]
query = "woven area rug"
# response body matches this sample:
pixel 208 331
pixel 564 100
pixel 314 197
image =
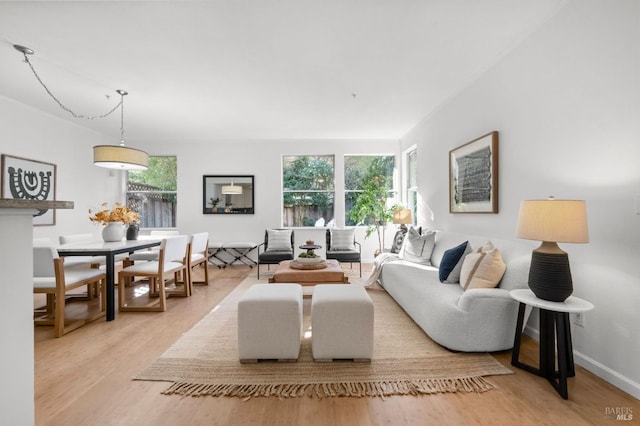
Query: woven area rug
pixel 204 361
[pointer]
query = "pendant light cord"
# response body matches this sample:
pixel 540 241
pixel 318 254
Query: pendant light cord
pixel 121 105
pixel 64 107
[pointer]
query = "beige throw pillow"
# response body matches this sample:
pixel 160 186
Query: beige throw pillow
pixel 489 271
pixel 469 267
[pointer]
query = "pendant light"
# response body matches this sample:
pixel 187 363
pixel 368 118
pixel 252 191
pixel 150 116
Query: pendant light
pixel 232 189
pixel 120 156
pixel 109 156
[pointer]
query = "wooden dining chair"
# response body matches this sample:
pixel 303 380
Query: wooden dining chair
pixel 199 256
pixel 152 253
pixel 53 279
pixel 171 265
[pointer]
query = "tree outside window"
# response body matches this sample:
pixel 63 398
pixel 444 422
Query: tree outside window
pixel 308 190
pixel 367 173
pixel 152 193
pixel 369 193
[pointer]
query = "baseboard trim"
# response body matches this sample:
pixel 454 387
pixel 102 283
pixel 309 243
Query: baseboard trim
pixel 616 379
pixel 605 373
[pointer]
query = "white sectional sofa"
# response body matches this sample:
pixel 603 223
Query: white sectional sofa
pixel 475 320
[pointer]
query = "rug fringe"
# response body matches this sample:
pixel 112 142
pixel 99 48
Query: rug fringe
pixel 325 390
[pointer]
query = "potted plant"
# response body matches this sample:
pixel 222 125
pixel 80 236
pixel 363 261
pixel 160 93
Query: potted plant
pixel 214 203
pixel 371 209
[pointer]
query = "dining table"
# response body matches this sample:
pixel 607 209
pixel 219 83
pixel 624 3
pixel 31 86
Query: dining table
pixel 109 250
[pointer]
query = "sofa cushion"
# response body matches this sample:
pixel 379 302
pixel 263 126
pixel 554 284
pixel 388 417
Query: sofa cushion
pixel 342 239
pixel 451 263
pixel 489 272
pixel 417 247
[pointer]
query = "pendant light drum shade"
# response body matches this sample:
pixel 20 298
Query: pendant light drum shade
pixel 232 189
pixel 120 157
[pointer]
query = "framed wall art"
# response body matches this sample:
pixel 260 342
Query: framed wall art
pixel 30 180
pixel 473 176
pixel 227 194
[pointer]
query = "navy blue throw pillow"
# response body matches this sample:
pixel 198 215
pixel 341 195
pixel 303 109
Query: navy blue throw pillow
pixel 450 259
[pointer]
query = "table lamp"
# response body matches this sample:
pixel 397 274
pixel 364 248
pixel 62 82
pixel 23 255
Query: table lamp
pixel 402 217
pixel 552 221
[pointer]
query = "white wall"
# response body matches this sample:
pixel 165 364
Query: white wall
pixel 28 133
pixel 567 105
pixel 262 159
pixel 35 135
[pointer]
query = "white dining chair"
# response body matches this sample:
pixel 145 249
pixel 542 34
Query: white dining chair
pixel 53 279
pixel 199 256
pixel 171 264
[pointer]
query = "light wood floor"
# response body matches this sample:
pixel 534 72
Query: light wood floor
pixel 84 378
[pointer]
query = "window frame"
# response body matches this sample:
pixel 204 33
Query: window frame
pixel 332 192
pixel 411 191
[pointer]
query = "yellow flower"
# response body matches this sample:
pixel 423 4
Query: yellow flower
pixel 118 213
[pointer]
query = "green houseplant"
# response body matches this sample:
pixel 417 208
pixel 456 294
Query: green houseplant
pixel 370 209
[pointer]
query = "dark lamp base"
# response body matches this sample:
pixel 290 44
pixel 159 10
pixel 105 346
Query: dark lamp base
pixel 550 276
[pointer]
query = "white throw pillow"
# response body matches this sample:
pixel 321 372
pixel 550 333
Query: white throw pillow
pixel 418 247
pixel 342 239
pixel 279 239
pixel 410 229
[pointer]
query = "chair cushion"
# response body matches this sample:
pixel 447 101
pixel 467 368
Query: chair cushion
pixel 344 255
pixel 144 255
pixel 342 239
pixel 279 239
pixel 275 256
pixel 152 267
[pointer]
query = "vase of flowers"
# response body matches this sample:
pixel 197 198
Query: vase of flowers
pixel 113 231
pixel 114 219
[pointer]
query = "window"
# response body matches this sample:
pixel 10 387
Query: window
pixel 307 190
pixel 367 176
pixel 412 182
pixel 153 192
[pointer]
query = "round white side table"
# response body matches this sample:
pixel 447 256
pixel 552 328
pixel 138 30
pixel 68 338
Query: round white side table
pixel 555 332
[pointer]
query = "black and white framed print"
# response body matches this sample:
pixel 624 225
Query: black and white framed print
pixel 473 176
pixel 30 180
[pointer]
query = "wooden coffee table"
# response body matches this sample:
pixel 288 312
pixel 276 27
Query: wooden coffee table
pixel 332 274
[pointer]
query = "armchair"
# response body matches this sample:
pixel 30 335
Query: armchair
pixel 277 246
pixel 343 247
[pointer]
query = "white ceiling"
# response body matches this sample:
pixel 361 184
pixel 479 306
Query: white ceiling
pixel 257 69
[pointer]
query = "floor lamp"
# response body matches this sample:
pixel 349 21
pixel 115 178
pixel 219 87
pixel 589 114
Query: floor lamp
pixel 552 221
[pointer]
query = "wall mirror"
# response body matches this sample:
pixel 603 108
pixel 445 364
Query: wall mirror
pixel 227 194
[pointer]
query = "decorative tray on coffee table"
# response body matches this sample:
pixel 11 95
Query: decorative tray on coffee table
pixel 308 260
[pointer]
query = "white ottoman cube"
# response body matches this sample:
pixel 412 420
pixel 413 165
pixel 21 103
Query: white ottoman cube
pixel 341 323
pixel 270 322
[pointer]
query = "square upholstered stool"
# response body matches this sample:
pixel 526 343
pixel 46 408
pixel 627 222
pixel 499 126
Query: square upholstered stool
pixel 341 323
pixel 270 322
